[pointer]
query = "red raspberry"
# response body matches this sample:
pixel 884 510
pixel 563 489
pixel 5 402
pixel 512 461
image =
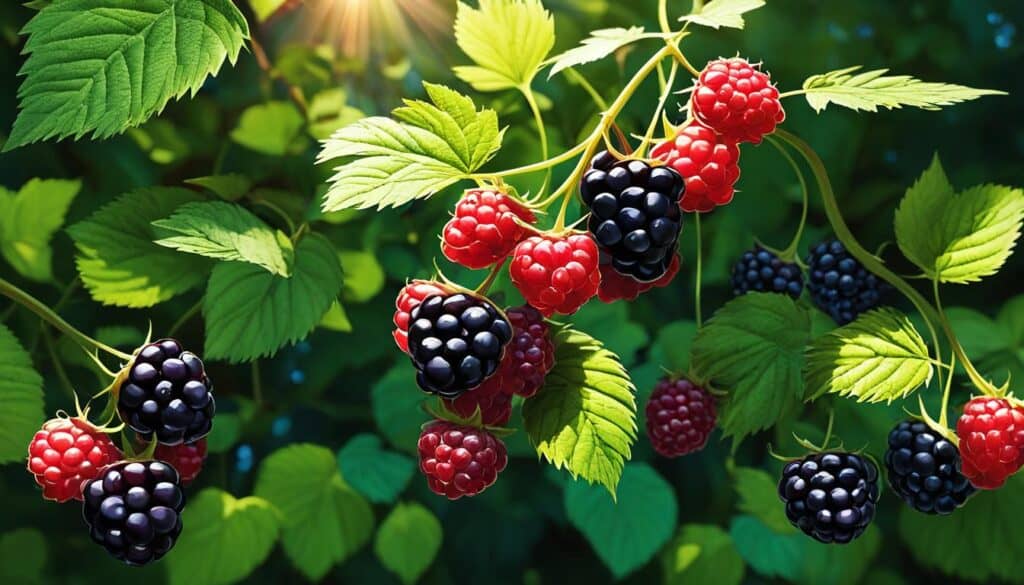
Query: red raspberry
pixel 680 417
pixel 708 163
pixel 991 432
pixel 737 100
pixel 484 229
pixel 556 274
pixel 458 460
pixel 67 452
pixel 530 354
pixel 494 403
pixel 187 458
pixel 410 296
pixel 615 286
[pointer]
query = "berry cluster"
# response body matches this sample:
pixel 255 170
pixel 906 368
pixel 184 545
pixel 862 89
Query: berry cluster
pixel 924 469
pixel 840 285
pixel 830 496
pixel 556 274
pixel 460 460
pixel 680 417
pixel 759 270
pixel 67 452
pixel 486 226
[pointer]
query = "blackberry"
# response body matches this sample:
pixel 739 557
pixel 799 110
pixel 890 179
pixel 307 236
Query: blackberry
pixel 133 509
pixel 680 417
pixel 840 285
pixel 167 393
pixel 924 469
pixel 456 342
pixel 830 496
pixel 759 270
pixel 634 214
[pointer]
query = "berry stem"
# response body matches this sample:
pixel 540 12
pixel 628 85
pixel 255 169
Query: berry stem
pixel 649 135
pixel 185 317
pixel 537 166
pixel 588 87
pixel 698 318
pixel 789 252
pixel 542 133
pixel 663 17
pixel 979 381
pixel 491 277
pixel 682 60
pixel 29 302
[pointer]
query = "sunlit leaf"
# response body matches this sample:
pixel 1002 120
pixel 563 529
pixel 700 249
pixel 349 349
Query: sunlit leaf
pixel 507 39
pixel 28 221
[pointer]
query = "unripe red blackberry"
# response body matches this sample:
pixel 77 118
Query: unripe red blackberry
pixel 459 460
pixel 680 417
pixel 66 453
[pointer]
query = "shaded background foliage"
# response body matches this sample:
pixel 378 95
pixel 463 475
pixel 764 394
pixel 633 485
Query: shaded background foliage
pixel 339 384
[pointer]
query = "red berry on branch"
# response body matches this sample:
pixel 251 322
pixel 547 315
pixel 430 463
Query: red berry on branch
pixel 737 100
pixel 485 228
pixel 991 432
pixel 530 355
pixel 187 458
pixel 408 298
pixel 459 460
pixel 615 286
pixel 494 403
pixel 556 274
pixel 708 163
pixel 680 417
pixel 65 453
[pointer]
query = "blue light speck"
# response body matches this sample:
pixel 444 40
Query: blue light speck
pixel 297 376
pixel 303 347
pixel 1004 35
pixel 865 30
pixel 281 426
pixel 243 458
pixel 994 18
pixel 891 156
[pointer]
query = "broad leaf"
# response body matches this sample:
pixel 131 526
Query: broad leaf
pixel 102 66
pixel 599 45
pixel 336 319
pixel 225 540
pixel 408 540
pixel 273 128
pixel 759 497
pixel 377 474
pixel 585 419
pixel 28 220
pixel 264 9
pixel 323 520
pixel 21 393
pixel 870 90
pixel 507 39
pixel 364 276
pixel 753 348
pixel 397 403
pixel 920 214
pixel 719 13
pixel 231 187
pixel 702 553
pixel 251 313
pixel 621 335
pixel 426 148
pixel 23 554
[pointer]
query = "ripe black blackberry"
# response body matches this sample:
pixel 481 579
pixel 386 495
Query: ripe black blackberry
pixel 134 509
pixel 924 469
pixel 840 285
pixel 168 393
pixel 830 496
pixel 634 214
pixel 762 271
pixel 456 342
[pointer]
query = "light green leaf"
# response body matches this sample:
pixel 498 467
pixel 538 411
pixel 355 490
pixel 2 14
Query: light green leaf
pixel 102 66
pixel 21 393
pixel 719 13
pixel 753 348
pixel 599 45
pixel 628 531
pixel 870 90
pixel 323 520
pixel 23 554
pixel 226 539
pixel 264 9
pixel 336 319
pixel 759 497
pixel 364 276
pixel 408 540
pixel 273 128
pixel 377 474
pixel 507 39
pixel 230 187
pixel 28 220
pixel 251 313
pixel 328 111
pixel 117 259
pixel 879 357
pixel 702 554
pixel 397 407
pixel 585 419
pixel 225 231
pixel 428 148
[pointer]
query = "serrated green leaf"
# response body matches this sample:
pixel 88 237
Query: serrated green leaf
pixel 28 220
pixel 759 497
pixel 507 39
pixel 585 419
pixel 225 231
pixel 599 45
pixel 702 553
pixel 323 520
pixel 336 319
pixel 753 348
pixel 230 187
pixel 23 555
pixel 21 392
pixel 328 111
pixel 117 259
pixel 408 540
pixel 429 147
pixel 377 474
pixel 237 533
pixel 251 313
pixel 870 90
pixel 273 128
pixel 628 531
pixel 719 13
pixel 101 66
pixel 397 402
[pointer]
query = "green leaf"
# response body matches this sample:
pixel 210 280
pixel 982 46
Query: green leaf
pixel 702 553
pixel 879 357
pixel 273 128
pixel 673 345
pixel 958 238
pixel 377 474
pixel 102 66
pixel 870 90
pixel 408 540
pixel 364 276
pixel 21 393
pixel 328 111
pixel 251 313
pixel 23 554
pixel 507 39
pixel 628 531
pixel 226 231
pixel 759 497
pixel 428 148
pixel 624 337
pixel 585 419
pixel 599 45
pixel 336 319
pixel 235 534
pixel 28 220
pixel 117 259
pixel 753 348
pixel 230 187
pixel 264 9
pixel 397 407
pixel 225 433
pixel 719 13
pixel 323 520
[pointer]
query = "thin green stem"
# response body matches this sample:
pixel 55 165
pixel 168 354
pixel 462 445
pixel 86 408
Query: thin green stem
pixel 698 5
pixel 792 93
pixel 789 252
pixel 185 317
pixel 273 207
pixel 491 277
pixel 537 166
pixel 663 16
pixel 943 419
pixel 828 429
pixel 979 381
pixel 588 87
pixel 698 317
pixel 542 133
pixel 682 60
pixel 667 91
pixel 58 367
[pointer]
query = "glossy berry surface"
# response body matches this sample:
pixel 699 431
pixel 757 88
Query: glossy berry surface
pixel 924 469
pixel 991 432
pixel 65 453
pixel 411 295
pixel 708 163
pixel 759 270
pixel 737 100
pixel 530 354
pixel 167 393
pixel 134 510
pixel 490 398
pixel 840 285
pixel 634 214
pixel 615 286
pixel 459 460
pixel 556 274
pixel 187 458
pixel 830 496
pixel 680 417
pixel 485 228
pixel 456 342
